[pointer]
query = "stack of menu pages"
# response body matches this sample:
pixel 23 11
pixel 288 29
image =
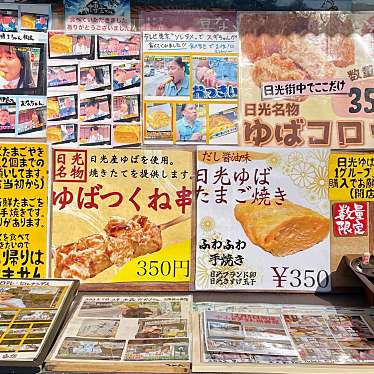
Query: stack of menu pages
pixel 261 337
pixel 125 334
pixel 31 313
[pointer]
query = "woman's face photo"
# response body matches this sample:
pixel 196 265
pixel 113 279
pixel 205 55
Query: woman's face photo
pixel 10 64
pixel 175 71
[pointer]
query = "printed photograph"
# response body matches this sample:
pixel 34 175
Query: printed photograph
pixel 215 77
pixel 8 20
pixel 126 46
pixel 166 76
pixel 6 315
pixel 64 75
pixel 157 328
pixel 343 326
pixel 230 329
pixel 99 328
pixel 8 113
pixel 96 77
pixel 92 134
pixel 62 107
pixel 22 69
pixel 95 108
pixel 191 122
pixel 36 315
pixel 223 123
pixel 91 349
pixel 69 46
pixel 159 117
pixel 126 108
pixel 126 76
pixel 31 120
pixel 34 22
pixel 304 320
pixel 126 134
pixel 9 345
pixel 17 331
pixel 157 350
pixel 23 297
pixel 131 309
pixel 59 134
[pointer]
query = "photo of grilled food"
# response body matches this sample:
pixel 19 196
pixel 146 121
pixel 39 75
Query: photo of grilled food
pixel 123 240
pixel 158 119
pixel 282 229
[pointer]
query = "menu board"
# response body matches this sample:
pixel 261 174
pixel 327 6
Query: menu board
pixel 94 89
pixel 190 90
pixel 126 332
pixel 128 213
pixel 263 219
pixel 306 79
pixel 31 312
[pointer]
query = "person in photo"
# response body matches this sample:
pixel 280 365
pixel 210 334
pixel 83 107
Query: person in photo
pixel 95 136
pixel 35 120
pixel 60 78
pixel 5 119
pixel 94 78
pixel 69 134
pixel 68 109
pixel 15 70
pixel 8 300
pixel 93 110
pixel 189 128
pixel 41 24
pixel 178 82
pixel 81 47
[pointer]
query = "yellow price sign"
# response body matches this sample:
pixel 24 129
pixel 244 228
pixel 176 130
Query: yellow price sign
pixel 351 177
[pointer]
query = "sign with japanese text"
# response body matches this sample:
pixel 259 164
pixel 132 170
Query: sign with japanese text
pixel 306 80
pixel 97 16
pixel 187 20
pixel 262 219
pixel 128 213
pixel 190 87
pixel 351 177
pixel 23 210
pixel 350 219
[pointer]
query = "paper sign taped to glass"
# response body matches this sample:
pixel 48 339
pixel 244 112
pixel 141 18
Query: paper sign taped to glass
pixel 128 213
pixel 263 219
pixel 319 67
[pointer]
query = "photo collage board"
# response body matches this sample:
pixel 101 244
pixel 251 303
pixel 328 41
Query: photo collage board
pixel 30 314
pixel 126 329
pixel 285 334
pixel 94 89
pixel 23 49
pixel 190 87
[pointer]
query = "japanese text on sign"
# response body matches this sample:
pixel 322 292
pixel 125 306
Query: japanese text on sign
pixel 23 210
pixel 351 177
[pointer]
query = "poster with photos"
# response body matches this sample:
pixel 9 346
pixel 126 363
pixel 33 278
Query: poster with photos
pixel 126 331
pixel 319 50
pixel 31 312
pixel 241 330
pixel 25 17
pixel 190 87
pixel 94 89
pixel 23 111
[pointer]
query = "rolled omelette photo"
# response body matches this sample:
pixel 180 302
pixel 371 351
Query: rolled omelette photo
pixel 282 229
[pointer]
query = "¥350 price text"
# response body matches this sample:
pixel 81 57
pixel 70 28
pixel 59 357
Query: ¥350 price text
pixel 156 268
